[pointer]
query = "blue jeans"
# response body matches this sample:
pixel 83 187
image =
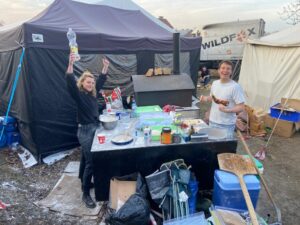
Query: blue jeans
pixel 229 128
pixel 206 80
pixel 85 136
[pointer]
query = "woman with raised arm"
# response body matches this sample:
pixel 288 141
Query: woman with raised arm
pixel 84 94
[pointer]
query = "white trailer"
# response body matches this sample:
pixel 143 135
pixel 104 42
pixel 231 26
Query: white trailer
pixel 225 41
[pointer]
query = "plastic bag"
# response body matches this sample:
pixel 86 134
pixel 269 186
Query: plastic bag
pixel 135 211
pixel 115 99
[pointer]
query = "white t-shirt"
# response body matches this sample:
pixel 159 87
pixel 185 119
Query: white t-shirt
pixel 230 91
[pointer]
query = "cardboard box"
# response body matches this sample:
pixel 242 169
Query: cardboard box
pixel 293 103
pixel 119 192
pixel 269 121
pixel 259 114
pixel 285 128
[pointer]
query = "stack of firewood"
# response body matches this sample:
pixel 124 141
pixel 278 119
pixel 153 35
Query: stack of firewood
pixel 157 71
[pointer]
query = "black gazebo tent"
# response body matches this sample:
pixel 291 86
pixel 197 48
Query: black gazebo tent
pixel 45 111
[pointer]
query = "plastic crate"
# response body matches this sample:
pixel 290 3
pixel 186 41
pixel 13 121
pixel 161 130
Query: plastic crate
pixel 228 193
pixel 148 109
pixel 286 114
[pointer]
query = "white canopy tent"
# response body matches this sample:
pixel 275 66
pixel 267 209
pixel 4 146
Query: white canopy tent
pixel 271 68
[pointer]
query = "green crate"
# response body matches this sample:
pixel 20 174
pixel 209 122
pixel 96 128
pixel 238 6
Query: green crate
pixel 148 109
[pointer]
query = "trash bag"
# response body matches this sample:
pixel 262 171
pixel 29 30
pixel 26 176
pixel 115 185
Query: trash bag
pixel 135 211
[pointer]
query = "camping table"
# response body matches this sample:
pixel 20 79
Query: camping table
pixel 113 160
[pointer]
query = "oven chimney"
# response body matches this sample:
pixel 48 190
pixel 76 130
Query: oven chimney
pixel 176 53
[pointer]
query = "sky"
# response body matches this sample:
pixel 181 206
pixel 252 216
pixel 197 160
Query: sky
pixel 192 14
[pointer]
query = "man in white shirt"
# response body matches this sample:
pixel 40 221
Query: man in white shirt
pixel 227 99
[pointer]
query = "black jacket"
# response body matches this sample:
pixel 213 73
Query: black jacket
pixel 87 106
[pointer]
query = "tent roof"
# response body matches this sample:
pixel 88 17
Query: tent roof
pixel 130 5
pixel 90 18
pixel 286 38
pixel 98 28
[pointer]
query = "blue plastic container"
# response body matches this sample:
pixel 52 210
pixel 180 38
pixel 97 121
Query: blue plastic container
pixel 10 124
pixel 12 137
pixel 286 115
pixel 228 193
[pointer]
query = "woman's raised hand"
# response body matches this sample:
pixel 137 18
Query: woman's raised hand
pixel 72 58
pixel 105 63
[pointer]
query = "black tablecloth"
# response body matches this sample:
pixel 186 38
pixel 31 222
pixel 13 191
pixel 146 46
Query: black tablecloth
pixel 202 156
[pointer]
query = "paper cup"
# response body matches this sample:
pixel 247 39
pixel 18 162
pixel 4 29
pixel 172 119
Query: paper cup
pixel 101 138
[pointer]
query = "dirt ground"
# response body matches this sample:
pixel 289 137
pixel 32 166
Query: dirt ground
pixel 22 187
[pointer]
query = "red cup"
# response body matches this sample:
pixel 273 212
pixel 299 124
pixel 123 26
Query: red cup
pixel 101 138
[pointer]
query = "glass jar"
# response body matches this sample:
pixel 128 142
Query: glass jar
pixel 166 136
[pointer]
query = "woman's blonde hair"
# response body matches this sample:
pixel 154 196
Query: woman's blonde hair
pixel 82 78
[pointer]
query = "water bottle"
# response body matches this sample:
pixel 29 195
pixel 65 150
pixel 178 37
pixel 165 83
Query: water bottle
pixel 133 108
pixel 73 44
pixel 147 135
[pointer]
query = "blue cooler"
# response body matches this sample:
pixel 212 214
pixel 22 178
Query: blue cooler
pixel 11 123
pixel 228 193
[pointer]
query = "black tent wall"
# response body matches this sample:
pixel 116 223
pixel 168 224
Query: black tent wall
pixel 145 60
pixel 45 111
pixel 21 105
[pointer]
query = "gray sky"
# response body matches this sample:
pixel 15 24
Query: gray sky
pixel 181 13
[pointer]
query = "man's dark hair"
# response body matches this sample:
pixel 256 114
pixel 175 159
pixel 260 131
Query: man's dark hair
pixel 229 63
